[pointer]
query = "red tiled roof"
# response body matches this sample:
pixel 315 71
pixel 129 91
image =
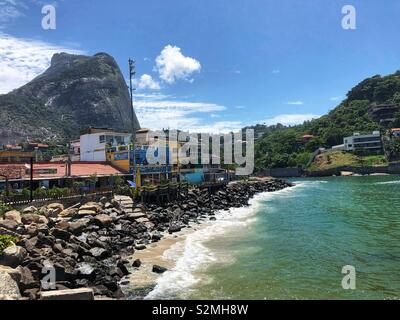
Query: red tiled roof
pixel 395 129
pixel 38 145
pixel 13 146
pixel 11 171
pixel 78 169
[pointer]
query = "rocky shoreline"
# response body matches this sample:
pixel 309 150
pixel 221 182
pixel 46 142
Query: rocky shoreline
pixel 87 245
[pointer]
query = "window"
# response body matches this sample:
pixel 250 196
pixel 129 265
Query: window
pixel 102 139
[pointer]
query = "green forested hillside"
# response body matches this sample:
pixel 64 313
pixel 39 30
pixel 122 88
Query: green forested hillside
pixel 282 146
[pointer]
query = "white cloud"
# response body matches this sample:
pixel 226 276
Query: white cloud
pixel 21 60
pixel 179 105
pixel 240 107
pixel 151 96
pixel 219 127
pixel 9 10
pixel 172 65
pixel 335 98
pixel 147 82
pixel 290 119
pixel 295 103
pixel 276 71
pixel 156 113
pixel 14 9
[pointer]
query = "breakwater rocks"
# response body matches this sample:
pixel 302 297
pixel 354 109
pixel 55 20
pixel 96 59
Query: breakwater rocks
pixel 85 246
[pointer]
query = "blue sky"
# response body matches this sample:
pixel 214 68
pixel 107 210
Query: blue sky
pixel 213 65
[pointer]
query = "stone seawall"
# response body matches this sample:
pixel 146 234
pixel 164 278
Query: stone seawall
pixel 390 169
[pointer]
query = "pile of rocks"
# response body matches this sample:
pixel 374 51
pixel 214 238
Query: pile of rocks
pixel 86 244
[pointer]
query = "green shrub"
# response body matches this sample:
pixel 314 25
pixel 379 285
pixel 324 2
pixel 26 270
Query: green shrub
pixel 7 241
pixel 40 192
pixel 4 208
pixel 26 192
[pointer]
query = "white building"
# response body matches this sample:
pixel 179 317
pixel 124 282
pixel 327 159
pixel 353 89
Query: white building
pixel 75 150
pixel 372 142
pixel 340 147
pixel 95 141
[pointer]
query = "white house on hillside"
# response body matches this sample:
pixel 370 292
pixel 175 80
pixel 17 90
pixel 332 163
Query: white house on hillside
pixel 367 141
pixel 94 142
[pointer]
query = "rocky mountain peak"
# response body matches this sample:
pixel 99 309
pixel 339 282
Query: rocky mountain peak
pixel 75 92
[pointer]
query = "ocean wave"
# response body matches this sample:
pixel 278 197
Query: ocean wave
pixel 310 182
pixel 388 182
pixel 192 255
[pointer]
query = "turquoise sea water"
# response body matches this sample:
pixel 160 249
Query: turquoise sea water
pixel 293 244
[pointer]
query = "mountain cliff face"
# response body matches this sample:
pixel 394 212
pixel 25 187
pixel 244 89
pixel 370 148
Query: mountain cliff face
pixel 75 92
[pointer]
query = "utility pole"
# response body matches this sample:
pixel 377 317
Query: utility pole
pixel 31 181
pixel 132 72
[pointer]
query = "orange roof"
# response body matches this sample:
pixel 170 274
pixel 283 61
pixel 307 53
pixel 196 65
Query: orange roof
pixel 13 146
pixel 87 169
pixel 53 170
pixel 11 171
pixel 38 145
pixel 395 129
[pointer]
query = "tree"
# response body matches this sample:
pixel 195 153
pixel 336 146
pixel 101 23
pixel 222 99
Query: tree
pixel 396 122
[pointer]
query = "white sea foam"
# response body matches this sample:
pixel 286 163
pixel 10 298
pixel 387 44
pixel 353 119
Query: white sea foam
pixel 388 182
pixel 192 255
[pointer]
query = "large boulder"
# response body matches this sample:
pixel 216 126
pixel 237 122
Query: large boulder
pixel 26 281
pixel 159 269
pixel 10 225
pixel 54 209
pixel 78 226
pixel 60 234
pixel 32 230
pixel 13 215
pixel 30 209
pixel 14 273
pixel 56 206
pixel 29 218
pixel 85 270
pixel 137 263
pixel 174 227
pixel 103 220
pixel 99 253
pixel 84 213
pixel 67 213
pixel 92 207
pixel 135 215
pixel 68 294
pixel 63 225
pixel 13 256
pixel 8 287
pixel 30 244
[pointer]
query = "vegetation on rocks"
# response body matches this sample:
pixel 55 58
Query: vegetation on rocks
pixel 334 159
pixel 6 241
pixel 3 209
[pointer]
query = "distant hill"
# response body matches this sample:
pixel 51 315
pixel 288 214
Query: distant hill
pixel 75 92
pixel 371 105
